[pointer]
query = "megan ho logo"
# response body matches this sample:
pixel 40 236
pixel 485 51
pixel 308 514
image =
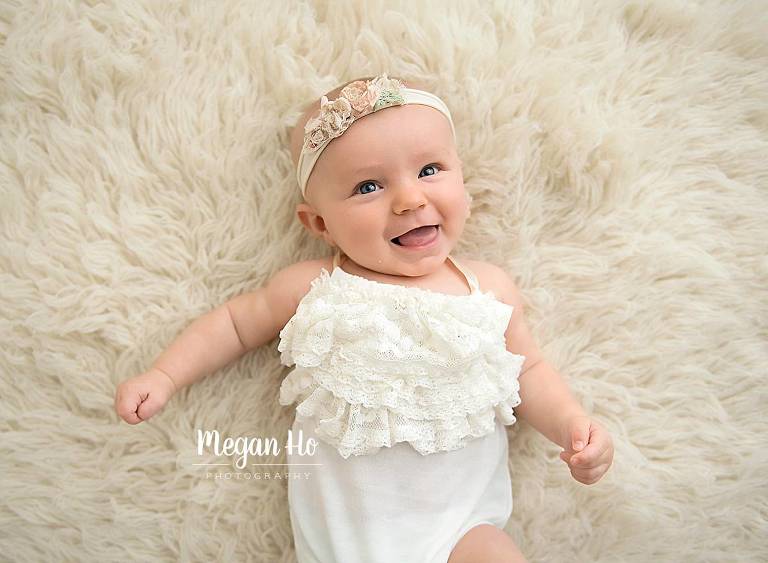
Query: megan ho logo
pixel 210 441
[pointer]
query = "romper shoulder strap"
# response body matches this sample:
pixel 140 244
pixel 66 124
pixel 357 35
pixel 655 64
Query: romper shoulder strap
pixel 468 274
pixel 337 258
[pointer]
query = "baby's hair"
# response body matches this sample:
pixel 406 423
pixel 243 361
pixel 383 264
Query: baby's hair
pixel 297 132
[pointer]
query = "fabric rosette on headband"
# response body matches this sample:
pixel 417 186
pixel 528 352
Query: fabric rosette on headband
pixel 356 100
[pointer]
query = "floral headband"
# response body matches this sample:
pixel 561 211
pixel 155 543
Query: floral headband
pixel 356 100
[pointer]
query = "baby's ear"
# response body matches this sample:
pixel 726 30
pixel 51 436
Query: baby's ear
pixel 312 221
pixel 305 213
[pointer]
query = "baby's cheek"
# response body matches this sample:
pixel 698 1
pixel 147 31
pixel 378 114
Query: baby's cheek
pixel 460 203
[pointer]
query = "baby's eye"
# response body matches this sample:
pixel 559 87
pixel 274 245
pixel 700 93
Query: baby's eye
pixel 362 186
pixel 433 166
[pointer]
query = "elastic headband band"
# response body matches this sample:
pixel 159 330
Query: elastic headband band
pixel 356 100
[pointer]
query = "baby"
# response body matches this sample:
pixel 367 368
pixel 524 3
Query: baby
pixel 409 362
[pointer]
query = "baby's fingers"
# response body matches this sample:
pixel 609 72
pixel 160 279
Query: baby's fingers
pixel 134 407
pixel 150 406
pixel 588 458
pixel 127 407
pixel 598 451
pixel 589 476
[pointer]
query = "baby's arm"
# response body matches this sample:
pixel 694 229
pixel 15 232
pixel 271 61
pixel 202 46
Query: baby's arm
pixel 211 342
pixel 547 403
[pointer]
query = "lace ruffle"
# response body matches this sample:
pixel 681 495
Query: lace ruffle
pixel 378 364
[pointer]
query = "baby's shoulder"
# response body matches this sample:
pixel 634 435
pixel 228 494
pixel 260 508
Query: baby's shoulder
pixel 490 277
pixel 287 287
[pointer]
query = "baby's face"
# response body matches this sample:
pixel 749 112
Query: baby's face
pixel 390 172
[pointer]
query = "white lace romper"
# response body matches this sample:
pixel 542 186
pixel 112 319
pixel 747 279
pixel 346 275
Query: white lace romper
pixel 406 392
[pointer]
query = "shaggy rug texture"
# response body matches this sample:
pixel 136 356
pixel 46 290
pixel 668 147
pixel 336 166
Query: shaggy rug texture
pixel 617 157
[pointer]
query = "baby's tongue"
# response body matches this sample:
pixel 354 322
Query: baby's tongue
pixel 417 237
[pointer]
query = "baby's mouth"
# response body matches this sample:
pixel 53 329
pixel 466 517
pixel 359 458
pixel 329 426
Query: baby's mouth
pixel 424 230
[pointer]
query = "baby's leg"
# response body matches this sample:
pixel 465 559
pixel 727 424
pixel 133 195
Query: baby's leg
pixel 488 544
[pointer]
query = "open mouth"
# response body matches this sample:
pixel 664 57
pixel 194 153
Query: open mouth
pixel 423 229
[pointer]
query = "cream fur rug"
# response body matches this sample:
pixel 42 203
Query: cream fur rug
pixel 617 156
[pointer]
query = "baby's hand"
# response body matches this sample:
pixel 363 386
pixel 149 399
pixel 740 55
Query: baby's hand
pixel 589 460
pixel 141 397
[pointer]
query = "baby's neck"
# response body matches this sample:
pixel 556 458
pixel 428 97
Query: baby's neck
pixel 420 279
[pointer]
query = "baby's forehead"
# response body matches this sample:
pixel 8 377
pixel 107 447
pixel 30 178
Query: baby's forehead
pixel 417 122
pixel 408 131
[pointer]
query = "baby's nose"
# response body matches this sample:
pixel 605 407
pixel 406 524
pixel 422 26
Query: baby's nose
pixel 408 196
